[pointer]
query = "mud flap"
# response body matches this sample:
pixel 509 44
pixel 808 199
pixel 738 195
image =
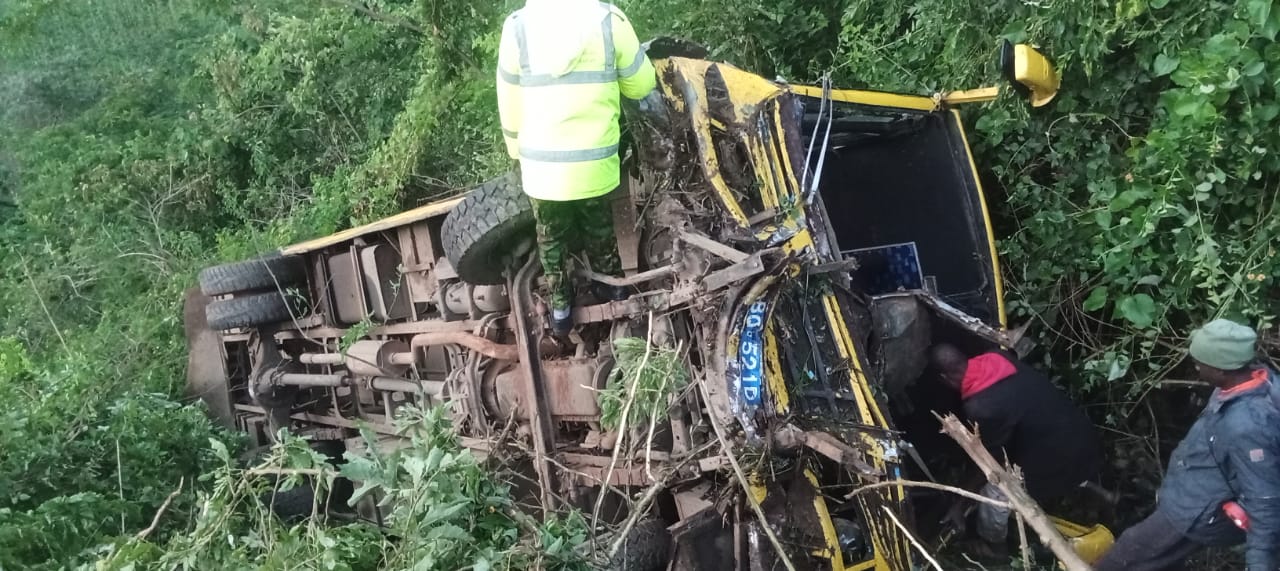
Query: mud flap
pixel 206 363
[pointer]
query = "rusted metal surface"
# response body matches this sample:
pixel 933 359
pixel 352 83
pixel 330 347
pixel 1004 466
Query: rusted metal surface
pixel 207 377
pixel 429 388
pixel 347 288
pixel 566 381
pixel 309 380
pixel 840 453
pixel 541 427
pixel 321 358
pixel 621 476
pixel 692 501
pixel 637 279
pixel 418 260
pixel 471 341
pixel 752 266
pixel 706 243
pixel 387 296
pixel 376 357
pixel 626 224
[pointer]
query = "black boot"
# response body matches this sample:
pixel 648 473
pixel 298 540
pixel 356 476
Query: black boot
pixel 605 292
pixel 561 322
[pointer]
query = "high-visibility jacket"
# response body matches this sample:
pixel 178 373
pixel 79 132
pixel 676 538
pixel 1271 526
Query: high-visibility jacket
pixel 562 67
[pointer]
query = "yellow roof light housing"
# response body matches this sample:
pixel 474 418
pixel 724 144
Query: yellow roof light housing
pixel 1030 72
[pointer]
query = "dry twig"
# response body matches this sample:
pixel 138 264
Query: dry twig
pixel 155 521
pixel 930 485
pixel 1022 541
pixel 912 539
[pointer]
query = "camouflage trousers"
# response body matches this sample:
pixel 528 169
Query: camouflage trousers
pixel 574 226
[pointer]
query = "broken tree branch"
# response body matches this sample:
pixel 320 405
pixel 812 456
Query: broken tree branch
pixel 1012 487
pixel 155 521
pixel 1022 542
pixel 284 472
pixel 930 485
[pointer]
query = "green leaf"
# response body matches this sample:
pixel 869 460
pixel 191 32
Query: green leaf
pixel 1097 299
pixel 1103 218
pixel 1140 310
pixel 365 489
pixel 1164 65
pixel 1187 105
pixel 1150 280
pixel 1259 12
pixel 1158 4
pixel 220 450
pixel 1119 366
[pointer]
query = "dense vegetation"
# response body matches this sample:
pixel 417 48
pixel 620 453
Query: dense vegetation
pixel 143 139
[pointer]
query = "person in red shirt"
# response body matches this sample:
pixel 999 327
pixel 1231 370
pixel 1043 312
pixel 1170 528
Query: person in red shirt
pixel 1021 416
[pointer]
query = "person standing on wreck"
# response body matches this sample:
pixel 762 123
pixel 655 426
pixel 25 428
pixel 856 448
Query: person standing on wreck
pixel 563 68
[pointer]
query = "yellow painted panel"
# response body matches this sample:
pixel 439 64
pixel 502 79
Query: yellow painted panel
pixel 981 95
pixel 986 219
pixel 407 217
pixel 793 190
pixel 873 98
pixel 832 552
pixel 773 372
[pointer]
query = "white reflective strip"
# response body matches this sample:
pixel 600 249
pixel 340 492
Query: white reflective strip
pixel 571 78
pixel 529 79
pixel 522 44
pixel 634 68
pixel 508 77
pixel 606 29
pixel 568 156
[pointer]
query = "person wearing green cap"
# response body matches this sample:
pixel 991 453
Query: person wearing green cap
pixel 1223 482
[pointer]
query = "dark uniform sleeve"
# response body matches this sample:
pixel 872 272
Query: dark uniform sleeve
pixel 1254 458
pixel 995 428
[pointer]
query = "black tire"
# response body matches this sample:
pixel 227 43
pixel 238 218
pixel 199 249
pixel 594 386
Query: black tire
pixel 481 233
pixel 298 503
pixel 269 272
pixel 292 505
pixel 646 548
pixel 248 311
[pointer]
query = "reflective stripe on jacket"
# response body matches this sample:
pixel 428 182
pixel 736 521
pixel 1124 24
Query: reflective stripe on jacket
pixel 562 67
pixel 1231 453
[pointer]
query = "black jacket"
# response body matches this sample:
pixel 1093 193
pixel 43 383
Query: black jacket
pixel 1042 431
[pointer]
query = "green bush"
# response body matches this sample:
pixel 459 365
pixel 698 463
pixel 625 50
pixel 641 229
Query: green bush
pixel 446 512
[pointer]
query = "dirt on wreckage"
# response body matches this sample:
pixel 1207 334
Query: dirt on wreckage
pixel 777 324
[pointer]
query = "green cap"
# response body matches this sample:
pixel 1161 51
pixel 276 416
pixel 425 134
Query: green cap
pixel 1224 344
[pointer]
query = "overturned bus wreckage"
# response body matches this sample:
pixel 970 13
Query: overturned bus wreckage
pixel 792 251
